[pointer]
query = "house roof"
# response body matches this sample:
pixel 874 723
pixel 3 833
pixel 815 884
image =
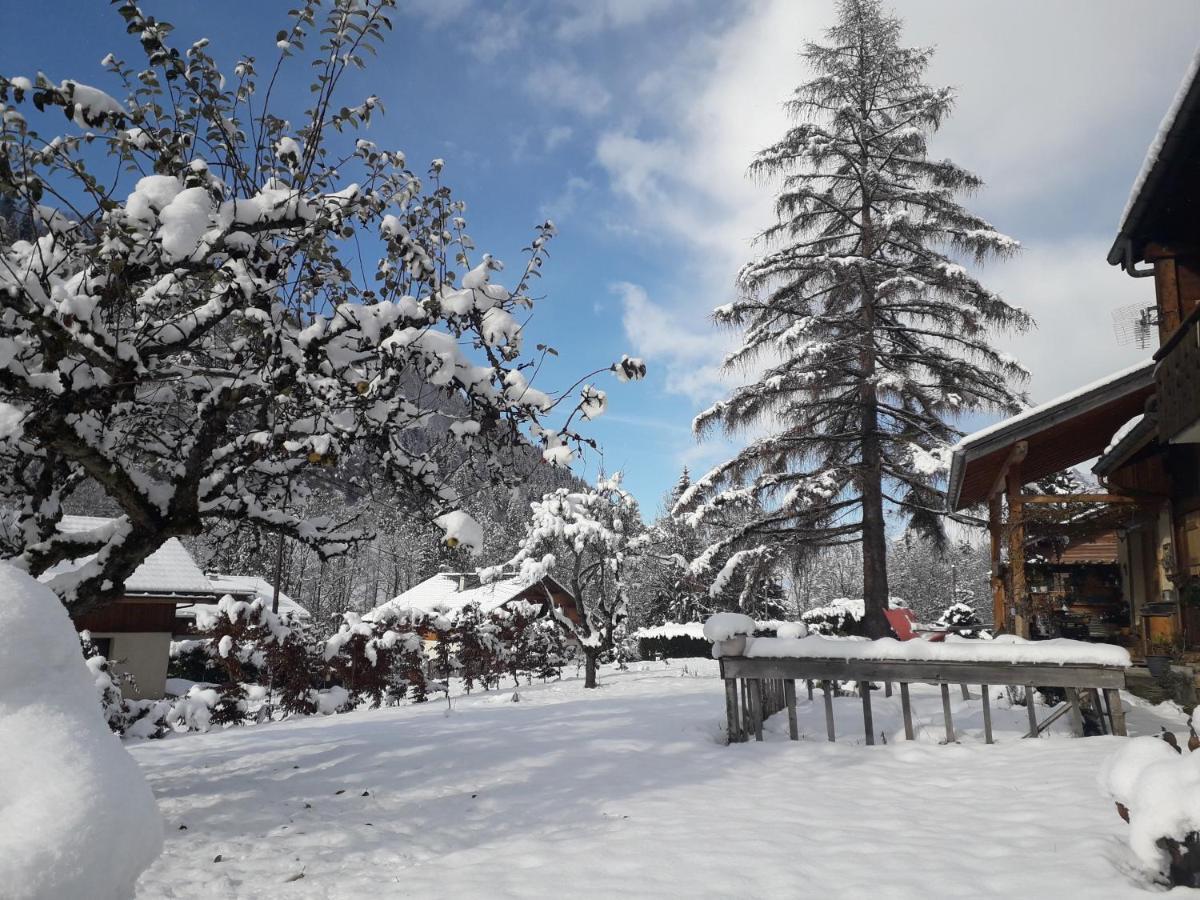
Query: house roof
pixel 168 571
pixel 448 592
pixel 1061 433
pixel 247 586
pixel 1128 440
pixel 1159 206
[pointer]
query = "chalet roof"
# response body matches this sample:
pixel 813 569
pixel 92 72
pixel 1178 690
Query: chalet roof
pixel 168 571
pixel 448 592
pixel 1061 433
pixel 1160 206
pixel 1128 440
pixel 250 587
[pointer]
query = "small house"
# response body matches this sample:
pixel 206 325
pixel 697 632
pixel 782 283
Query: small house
pixel 447 593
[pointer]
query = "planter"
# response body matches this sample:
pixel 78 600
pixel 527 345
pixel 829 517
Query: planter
pixel 734 646
pixel 1158 665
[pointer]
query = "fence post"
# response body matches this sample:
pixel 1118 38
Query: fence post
pixel 1029 706
pixel 731 711
pixel 987 715
pixel 789 694
pixel 828 709
pixel 1076 714
pixel 1116 712
pixel 906 707
pixel 864 688
pixel 950 738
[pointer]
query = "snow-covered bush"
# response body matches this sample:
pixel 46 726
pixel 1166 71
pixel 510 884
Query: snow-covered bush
pixel 1156 788
pixel 962 619
pixel 382 659
pixel 842 616
pixel 196 290
pixel 77 818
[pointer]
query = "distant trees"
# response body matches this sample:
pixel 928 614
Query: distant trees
pixel 198 335
pixel 870 334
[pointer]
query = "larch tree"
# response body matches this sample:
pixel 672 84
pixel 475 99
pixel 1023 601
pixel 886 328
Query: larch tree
pixel 867 332
pixel 196 327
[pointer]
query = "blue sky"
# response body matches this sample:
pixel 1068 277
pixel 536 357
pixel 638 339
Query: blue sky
pixel 631 123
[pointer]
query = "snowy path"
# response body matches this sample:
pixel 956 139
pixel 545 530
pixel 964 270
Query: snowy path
pixel 627 792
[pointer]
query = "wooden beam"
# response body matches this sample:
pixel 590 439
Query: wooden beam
pixel 828 689
pixel 1016 548
pixel 950 738
pixel 987 714
pixel 1015 457
pixel 906 706
pixel 789 696
pixel 995 530
pixel 864 688
pixel 1047 499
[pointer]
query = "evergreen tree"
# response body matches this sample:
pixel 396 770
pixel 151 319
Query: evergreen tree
pixel 871 336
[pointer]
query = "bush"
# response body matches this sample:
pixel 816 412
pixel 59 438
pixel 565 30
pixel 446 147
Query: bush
pixel 679 646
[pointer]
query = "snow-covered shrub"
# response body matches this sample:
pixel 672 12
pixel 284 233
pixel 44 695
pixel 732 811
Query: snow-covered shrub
pixel 672 640
pixel 1156 788
pixel 378 659
pixel 962 619
pixel 842 616
pixel 77 818
pixel 241 635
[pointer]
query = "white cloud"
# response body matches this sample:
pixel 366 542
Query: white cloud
pixel 586 18
pixel 567 87
pixel 1072 292
pixel 564 205
pixel 490 31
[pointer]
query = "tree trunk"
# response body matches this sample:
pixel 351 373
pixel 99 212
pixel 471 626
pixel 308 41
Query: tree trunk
pixel 874 537
pixel 591 656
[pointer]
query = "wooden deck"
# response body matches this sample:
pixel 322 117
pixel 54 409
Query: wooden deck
pixel 757 688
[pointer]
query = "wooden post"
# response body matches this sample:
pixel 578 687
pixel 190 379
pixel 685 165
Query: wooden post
pixel 1115 710
pixel 906 707
pixel 994 531
pixel 950 738
pixel 887 689
pixel 808 683
pixel 827 687
pixel 1076 713
pixel 1029 708
pixel 1016 544
pixel 747 723
pixel 864 688
pixel 731 711
pixel 966 694
pixel 756 690
pixel 1098 705
pixel 987 715
pixel 789 693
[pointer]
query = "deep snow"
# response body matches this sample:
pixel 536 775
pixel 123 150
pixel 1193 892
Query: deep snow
pixel 628 791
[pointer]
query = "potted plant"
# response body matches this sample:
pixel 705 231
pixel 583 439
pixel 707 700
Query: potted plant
pixel 1159 653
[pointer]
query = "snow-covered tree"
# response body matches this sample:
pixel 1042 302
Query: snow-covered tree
pixel 869 334
pixel 583 539
pixel 194 327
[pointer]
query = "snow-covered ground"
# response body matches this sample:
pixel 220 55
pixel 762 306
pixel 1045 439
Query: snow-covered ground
pixel 628 791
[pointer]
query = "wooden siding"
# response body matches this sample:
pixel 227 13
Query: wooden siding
pixel 130 615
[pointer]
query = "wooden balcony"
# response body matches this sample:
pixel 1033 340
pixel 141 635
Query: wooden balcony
pixel 1177 383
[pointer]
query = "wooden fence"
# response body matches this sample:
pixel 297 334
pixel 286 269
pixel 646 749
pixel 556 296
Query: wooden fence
pixel 759 687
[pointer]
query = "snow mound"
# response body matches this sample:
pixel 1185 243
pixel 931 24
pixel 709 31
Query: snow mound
pixel 792 630
pixel 1161 789
pixel 77 818
pixel 723 626
pixel 671 630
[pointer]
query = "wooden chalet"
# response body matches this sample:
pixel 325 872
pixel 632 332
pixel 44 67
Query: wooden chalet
pixel 1142 426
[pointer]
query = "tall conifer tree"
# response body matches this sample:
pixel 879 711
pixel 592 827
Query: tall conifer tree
pixel 870 335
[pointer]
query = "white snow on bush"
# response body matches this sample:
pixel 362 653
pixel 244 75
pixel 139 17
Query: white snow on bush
pixel 672 630
pixel 722 626
pixel 77 818
pixel 791 630
pixel 461 530
pixel 1005 648
pixel 1161 789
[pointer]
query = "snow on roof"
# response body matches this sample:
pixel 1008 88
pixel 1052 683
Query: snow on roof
pixel 1128 438
pixel 1160 139
pixel 167 571
pixel 1013 423
pixel 449 592
pixel 247 585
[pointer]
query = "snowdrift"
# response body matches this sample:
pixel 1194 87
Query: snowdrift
pixel 77 818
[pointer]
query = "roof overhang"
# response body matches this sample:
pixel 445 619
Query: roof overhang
pixel 1157 208
pixel 1062 433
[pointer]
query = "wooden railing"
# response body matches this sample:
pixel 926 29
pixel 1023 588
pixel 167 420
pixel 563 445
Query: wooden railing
pixel 756 688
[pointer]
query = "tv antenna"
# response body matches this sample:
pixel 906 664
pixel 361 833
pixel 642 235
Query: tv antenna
pixel 1135 325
